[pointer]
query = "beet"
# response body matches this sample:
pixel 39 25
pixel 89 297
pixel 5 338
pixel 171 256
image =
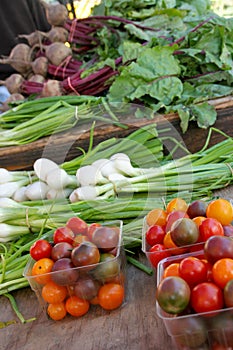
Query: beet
pixel 13 83
pixel 12 98
pixel 37 78
pixel 51 88
pixel 33 38
pixel 57 52
pixel 19 58
pixel 57 34
pixel 57 14
pixel 40 66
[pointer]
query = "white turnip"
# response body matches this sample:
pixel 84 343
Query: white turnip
pixel 57 52
pixel 57 14
pixel 32 38
pixel 19 59
pixel 13 83
pixel 40 66
pixel 37 78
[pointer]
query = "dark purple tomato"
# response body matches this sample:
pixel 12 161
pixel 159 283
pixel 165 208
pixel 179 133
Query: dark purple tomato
pixel 63 272
pixel 218 247
pixel 228 294
pixel 61 250
pixel 86 288
pixel 105 238
pixel 228 230
pixel 87 253
pixel 173 294
pixel 197 208
pixel 184 231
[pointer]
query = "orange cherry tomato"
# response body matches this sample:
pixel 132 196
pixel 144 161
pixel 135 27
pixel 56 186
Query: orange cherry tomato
pixel 169 244
pixel 171 270
pixel 222 271
pixel 52 293
pixel 111 296
pixel 177 204
pixel 56 311
pixel 76 306
pixel 221 210
pixel 156 216
pixel 41 270
pixel 198 220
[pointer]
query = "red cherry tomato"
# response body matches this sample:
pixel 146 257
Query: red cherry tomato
pixel 156 253
pixel 206 297
pixel 40 249
pixel 193 270
pixel 63 234
pixel 91 229
pixel 210 227
pixel 77 225
pixel 154 235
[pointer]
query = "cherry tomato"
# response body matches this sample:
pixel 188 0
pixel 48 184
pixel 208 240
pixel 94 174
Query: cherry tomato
pixel 222 271
pixel 193 270
pixel 76 306
pixel 92 228
pixel 154 235
pixel 77 225
pixel 210 227
pixel 40 249
pixel 173 216
pixel 156 253
pixel 63 234
pixel 111 296
pixel 169 244
pixel 52 293
pixel 41 270
pixel 173 294
pixel 156 216
pixel 228 293
pixel 206 297
pixel 171 270
pixel 221 210
pixel 57 311
pixel 197 208
pixel 177 204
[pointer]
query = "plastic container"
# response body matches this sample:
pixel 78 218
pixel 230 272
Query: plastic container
pixel 111 271
pixel 154 257
pixel 203 331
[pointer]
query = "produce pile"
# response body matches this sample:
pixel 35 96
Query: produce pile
pixel 123 44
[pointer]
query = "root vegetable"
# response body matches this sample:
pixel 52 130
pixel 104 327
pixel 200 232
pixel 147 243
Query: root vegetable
pixel 37 78
pixel 32 38
pixel 57 34
pixel 57 14
pixel 57 52
pixel 40 66
pixel 12 98
pixel 19 58
pixel 13 83
pixel 51 88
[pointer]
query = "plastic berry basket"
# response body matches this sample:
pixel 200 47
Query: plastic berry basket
pixel 155 256
pixel 202 331
pixel 106 273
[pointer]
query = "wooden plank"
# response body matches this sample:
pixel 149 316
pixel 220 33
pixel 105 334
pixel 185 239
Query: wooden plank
pixel 64 146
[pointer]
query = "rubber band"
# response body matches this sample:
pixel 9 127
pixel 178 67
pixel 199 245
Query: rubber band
pixel 71 87
pixel 63 65
pixel 230 167
pixel 76 113
pixel 72 30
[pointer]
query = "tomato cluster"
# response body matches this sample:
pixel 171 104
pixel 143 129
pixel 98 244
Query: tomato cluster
pixel 198 283
pixel 81 266
pixel 181 227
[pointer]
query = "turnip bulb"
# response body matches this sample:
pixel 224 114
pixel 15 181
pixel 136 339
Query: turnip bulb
pixel 51 88
pixel 33 38
pixel 57 34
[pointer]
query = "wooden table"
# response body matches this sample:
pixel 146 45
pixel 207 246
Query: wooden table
pixel 135 326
